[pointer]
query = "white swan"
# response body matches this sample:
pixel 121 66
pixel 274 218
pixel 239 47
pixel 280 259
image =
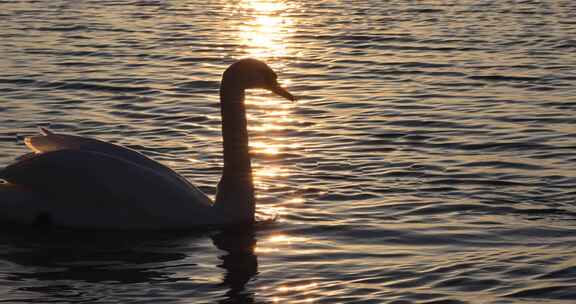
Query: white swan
pixel 78 182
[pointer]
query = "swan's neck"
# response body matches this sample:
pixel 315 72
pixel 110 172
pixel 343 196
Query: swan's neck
pixel 235 196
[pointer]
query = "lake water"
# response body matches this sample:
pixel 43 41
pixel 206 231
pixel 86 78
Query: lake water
pixel 430 158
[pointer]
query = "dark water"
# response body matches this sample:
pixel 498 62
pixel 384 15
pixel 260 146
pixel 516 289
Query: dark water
pixel 430 159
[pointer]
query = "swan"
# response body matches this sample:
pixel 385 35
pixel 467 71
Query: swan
pixel 78 182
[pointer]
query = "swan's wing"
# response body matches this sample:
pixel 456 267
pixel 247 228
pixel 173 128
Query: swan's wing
pixel 87 175
pixel 50 142
pixel 78 188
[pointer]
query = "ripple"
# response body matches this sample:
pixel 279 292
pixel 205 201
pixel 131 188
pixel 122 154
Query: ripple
pixel 429 158
pixel 567 292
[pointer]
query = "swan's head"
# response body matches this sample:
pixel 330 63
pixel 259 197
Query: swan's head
pixel 254 74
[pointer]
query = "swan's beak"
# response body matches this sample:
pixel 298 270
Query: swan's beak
pixel 278 90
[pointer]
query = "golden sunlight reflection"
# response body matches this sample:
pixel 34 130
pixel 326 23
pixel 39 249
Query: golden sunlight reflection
pixel 277 243
pixel 284 300
pixel 271 172
pixel 286 239
pixel 266 212
pixel 297 287
pixel 263 35
pixel 264 147
pixel 296 200
pixel 303 289
pixel 265 5
pixel 274 211
pixel 263 127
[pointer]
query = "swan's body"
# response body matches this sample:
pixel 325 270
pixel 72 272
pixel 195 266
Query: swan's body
pixel 77 182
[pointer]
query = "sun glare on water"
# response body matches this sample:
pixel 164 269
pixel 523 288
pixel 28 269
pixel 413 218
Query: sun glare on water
pixel 278 242
pixel 264 34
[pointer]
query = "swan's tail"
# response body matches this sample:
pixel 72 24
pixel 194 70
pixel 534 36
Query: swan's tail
pixel 45 131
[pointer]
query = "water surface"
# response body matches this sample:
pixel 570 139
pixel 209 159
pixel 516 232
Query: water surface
pixel 430 158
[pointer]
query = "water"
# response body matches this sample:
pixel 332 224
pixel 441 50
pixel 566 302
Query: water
pixel 430 158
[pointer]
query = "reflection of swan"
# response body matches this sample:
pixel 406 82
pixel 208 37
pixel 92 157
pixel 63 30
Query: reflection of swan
pixel 86 183
pixel 66 266
pixel 239 261
pixel 71 256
